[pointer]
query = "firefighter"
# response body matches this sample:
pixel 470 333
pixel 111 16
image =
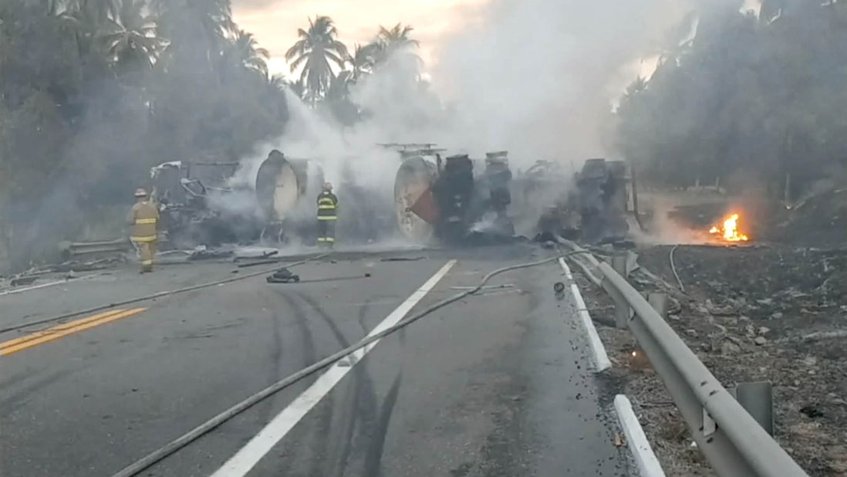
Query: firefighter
pixel 144 221
pixel 327 216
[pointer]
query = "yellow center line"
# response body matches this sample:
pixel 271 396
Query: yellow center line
pixel 58 328
pixel 65 329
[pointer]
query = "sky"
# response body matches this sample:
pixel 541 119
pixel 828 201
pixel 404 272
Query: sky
pixel 275 22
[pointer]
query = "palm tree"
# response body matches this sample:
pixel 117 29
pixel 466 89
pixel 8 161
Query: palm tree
pixel 277 82
pixel 214 15
pixel 297 88
pixel 362 61
pixel 246 51
pixel 317 51
pixel 339 86
pixel 84 20
pixel 132 37
pixel 100 9
pixel 197 30
pixel 396 41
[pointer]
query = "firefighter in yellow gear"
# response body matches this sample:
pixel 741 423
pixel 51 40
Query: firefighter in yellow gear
pixel 144 222
pixel 327 216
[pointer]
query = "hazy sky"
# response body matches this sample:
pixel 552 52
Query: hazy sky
pixel 275 22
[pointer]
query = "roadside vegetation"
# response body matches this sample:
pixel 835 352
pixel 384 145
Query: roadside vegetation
pixel 95 92
pixel 756 100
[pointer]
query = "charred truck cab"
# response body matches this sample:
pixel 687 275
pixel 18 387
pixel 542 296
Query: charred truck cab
pixel 188 195
pixel 593 209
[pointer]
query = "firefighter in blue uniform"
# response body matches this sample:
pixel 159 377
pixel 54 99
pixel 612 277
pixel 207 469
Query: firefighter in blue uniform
pixel 327 216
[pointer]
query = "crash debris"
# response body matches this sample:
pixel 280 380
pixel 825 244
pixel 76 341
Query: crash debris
pixel 750 314
pixel 283 275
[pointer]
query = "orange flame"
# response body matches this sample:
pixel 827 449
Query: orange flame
pixel 728 230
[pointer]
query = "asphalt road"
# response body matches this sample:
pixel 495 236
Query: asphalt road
pixel 497 384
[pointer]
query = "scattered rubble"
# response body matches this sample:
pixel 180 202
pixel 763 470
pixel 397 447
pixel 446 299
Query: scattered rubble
pixel 754 313
pixel 21 281
pixel 283 275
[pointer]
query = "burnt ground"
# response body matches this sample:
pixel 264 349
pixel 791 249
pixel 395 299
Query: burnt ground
pixel 759 313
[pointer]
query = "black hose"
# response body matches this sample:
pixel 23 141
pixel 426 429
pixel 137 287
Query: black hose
pixel 182 441
pixel 148 297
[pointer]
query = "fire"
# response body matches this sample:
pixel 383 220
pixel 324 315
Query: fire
pixel 728 230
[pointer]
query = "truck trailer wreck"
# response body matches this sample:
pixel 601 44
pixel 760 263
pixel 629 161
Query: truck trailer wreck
pixel 593 209
pixel 445 199
pixel 285 189
pixel 190 194
pixel 200 206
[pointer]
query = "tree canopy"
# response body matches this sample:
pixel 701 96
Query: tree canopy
pixel 750 98
pixel 328 71
pixel 95 92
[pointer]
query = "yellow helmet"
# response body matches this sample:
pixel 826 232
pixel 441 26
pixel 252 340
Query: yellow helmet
pixel 140 192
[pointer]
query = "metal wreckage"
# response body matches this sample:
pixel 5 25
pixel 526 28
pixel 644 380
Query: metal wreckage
pixel 459 200
pixel 454 200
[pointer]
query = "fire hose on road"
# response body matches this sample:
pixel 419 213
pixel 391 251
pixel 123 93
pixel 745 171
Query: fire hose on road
pixel 186 439
pixel 149 297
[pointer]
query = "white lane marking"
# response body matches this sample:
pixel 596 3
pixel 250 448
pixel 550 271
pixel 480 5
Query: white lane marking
pixel 566 268
pixel 34 287
pixel 250 455
pixel 50 284
pixel 648 464
pixel 601 359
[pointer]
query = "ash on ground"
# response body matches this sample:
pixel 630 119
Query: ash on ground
pixel 756 313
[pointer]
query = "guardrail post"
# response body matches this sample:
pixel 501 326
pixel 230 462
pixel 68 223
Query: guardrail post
pixel 757 400
pixel 622 310
pixel 659 302
pixel 728 435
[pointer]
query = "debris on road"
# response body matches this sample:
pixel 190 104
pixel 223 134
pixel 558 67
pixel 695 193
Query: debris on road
pixel 764 313
pixel 203 253
pixel 620 440
pixel 283 275
pixel 252 253
pixel 260 262
pixel 16 282
pixel 559 290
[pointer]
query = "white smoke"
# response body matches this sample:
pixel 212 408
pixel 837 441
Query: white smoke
pixel 535 77
pixel 319 138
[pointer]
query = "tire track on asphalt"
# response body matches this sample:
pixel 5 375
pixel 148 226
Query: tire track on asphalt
pixel 377 425
pixel 276 351
pixel 361 408
pixel 27 388
pixel 373 458
pixel 362 394
pixel 308 357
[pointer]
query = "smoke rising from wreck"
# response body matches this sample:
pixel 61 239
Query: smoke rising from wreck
pixel 534 77
pixel 537 78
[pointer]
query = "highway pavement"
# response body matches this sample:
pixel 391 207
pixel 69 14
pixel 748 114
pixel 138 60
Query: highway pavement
pixel 496 384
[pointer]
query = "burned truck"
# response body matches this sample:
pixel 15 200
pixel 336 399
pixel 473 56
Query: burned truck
pixel 191 198
pixel 201 204
pixel 591 206
pixel 445 199
pixel 285 189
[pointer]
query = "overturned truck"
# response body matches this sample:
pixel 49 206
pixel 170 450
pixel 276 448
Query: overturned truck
pixel 446 199
pixel 593 207
pixel 282 184
pixel 201 204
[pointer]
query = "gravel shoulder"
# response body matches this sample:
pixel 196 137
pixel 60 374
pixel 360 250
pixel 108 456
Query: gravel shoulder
pixel 763 313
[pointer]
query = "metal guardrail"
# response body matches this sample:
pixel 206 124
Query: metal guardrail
pixel 732 441
pixel 75 249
